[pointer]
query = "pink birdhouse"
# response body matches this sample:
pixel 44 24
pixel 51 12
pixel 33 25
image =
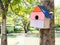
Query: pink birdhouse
pixel 38 18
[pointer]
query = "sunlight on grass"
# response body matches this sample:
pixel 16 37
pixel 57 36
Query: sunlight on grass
pixel 31 41
pixel 57 41
pixel 11 41
pixel 57 35
pixel 0 41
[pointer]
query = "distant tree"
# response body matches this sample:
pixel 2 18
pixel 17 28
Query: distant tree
pixel 3 9
pixel 57 16
pixel 24 11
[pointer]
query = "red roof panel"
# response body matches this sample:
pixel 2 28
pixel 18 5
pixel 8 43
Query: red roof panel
pixel 37 9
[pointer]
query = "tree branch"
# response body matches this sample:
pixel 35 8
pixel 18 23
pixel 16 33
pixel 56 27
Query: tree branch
pixel 7 4
pixel 1 5
pixel 13 10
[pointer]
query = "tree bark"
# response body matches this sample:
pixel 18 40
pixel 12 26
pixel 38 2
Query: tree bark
pixel 48 35
pixel 25 29
pixel 3 28
pixel 3 31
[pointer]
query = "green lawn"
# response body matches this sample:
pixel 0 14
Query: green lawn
pixel 30 39
pixel 13 35
pixel 57 35
pixel 0 41
pixel 12 41
pixel 12 38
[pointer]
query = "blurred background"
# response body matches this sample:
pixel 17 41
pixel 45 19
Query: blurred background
pixel 18 23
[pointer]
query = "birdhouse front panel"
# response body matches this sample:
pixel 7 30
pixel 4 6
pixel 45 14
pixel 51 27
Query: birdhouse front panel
pixel 37 19
pixel 37 16
pixel 37 23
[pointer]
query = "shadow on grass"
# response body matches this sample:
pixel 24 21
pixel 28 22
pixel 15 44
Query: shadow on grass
pixel 13 35
pixel 57 35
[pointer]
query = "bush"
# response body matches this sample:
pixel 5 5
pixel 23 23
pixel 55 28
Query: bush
pixel 10 29
pixel 0 29
pixel 57 27
pixel 18 30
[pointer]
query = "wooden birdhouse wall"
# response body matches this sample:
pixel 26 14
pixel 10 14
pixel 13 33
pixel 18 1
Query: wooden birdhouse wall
pixel 46 22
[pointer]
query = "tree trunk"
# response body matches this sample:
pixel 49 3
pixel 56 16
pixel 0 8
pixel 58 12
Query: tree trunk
pixel 25 29
pixel 14 29
pixel 4 12
pixel 3 31
pixel 48 35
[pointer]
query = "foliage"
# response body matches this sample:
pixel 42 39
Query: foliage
pixel 23 12
pixel 57 16
pixel 0 29
pixel 19 11
pixel 10 29
pixel 0 20
pixel 18 30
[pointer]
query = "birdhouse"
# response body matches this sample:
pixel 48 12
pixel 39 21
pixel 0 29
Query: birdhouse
pixel 40 17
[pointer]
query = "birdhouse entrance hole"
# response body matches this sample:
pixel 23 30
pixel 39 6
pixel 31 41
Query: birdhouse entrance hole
pixel 36 17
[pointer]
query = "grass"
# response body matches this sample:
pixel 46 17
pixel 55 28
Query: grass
pixel 33 34
pixel 0 35
pixel 57 35
pixel 12 41
pixel 13 34
pixel 0 41
pixel 31 40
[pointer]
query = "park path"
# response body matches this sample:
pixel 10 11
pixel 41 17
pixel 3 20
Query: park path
pixel 22 40
pixel 57 41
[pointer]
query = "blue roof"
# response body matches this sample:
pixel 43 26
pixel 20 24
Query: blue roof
pixel 47 14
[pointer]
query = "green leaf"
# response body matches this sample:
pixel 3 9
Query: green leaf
pixel 14 2
pixel 4 1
